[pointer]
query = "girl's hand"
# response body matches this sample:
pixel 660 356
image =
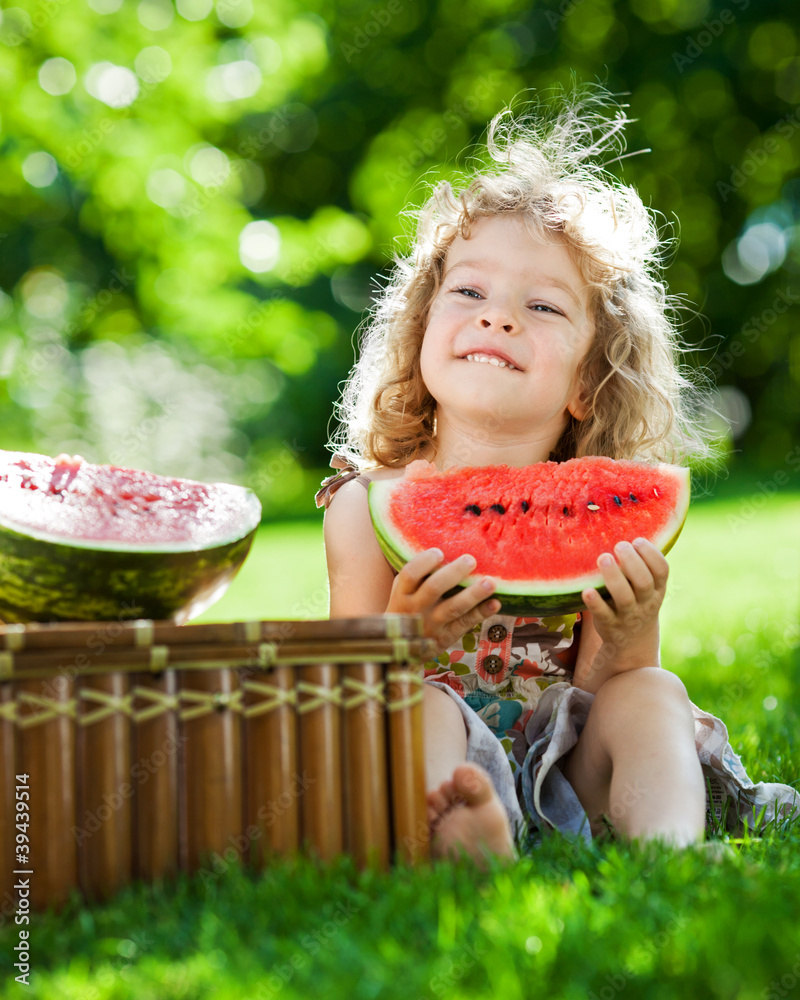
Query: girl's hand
pixel 636 582
pixel 419 589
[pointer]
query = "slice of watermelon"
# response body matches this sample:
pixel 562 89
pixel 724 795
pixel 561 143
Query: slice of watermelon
pixel 536 530
pixel 90 542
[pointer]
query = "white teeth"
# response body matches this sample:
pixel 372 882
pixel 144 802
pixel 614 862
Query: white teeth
pixel 487 359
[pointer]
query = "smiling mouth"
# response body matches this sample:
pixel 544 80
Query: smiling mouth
pixel 490 359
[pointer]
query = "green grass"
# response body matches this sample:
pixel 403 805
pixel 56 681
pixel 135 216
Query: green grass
pixel 569 921
pixel 283 577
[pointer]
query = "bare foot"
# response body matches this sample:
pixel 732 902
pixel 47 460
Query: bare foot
pixel 467 816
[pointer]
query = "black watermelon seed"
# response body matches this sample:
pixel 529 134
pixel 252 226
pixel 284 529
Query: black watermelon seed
pixel 566 512
pixel 633 498
pixel 617 501
pixel 499 508
pixel 472 508
pixel 525 505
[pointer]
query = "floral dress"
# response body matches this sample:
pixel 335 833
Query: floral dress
pixel 512 681
pixel 514 675
pixel 503 666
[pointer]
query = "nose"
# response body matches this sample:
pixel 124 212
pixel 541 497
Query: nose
pixel 498 317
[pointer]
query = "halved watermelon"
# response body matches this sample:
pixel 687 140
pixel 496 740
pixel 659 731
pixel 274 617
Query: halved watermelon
pixel 94 542
pixel 537 530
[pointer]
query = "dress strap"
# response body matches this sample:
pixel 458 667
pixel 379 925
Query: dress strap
pixel 329 486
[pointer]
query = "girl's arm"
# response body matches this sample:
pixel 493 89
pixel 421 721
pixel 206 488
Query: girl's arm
pixel 624 635
pixel 587 676
pixel 359 577
pixel 362 582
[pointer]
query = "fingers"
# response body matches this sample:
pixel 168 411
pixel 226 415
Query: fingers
pixel 636 571
pixel 616 578
pixel 654 560
pixel 639 571
pixel 452 628
pixel 635 578
pixel 599 608
pixel 421 577
pixel 425 576
pixel 416 569
pixel 471 598
pixel 419 588
pixel 450 576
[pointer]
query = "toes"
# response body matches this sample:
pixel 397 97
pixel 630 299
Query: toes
pixel 472 784
pixel 448 792
pixel 437 803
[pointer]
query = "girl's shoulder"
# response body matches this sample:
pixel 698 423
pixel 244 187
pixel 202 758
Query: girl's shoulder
pixel 351 474
pixel 375 474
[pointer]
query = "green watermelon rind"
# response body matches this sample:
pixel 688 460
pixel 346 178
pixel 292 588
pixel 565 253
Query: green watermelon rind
pixel 42 579
pixel 529 598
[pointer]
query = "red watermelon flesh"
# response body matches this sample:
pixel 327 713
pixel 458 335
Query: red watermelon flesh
pixel 537 530
pixel 95 542
pixel 68 499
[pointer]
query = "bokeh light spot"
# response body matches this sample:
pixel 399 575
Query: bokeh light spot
pixel 194 10
pixel 771 43
pixel 763 241
pixel 761 250
pixel 166 187
pixel 726 656
pixel 735 408
pixel 116 86
pixel 16 26
pixel 259 246
pixel 153 64
pixel 267 52
pixel 787 81
pixel 234 13
pixel 210 167
pixel 44 294
pixel 157 15
pixel 233 81
pixel 57 76
pixel 251 181
pixel 40 170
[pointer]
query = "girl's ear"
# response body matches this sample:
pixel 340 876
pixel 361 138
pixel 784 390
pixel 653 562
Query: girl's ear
pixel 578 407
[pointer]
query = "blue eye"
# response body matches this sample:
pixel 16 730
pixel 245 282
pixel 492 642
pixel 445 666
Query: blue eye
pixel 472 293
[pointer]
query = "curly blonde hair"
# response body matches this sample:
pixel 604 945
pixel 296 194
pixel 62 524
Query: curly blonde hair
pixel 641 402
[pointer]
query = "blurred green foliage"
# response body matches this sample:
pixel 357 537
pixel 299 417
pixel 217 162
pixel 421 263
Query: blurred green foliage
pixel 198 199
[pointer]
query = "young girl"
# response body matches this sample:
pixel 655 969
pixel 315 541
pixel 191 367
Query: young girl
pixel 529 324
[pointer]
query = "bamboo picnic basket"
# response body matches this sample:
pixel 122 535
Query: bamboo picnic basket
pixel 152 748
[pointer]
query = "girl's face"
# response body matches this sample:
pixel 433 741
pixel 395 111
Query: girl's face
pixel 506 333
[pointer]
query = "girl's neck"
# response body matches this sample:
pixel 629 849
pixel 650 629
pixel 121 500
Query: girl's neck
pixel 456 446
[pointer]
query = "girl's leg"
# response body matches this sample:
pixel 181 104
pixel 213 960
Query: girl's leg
pixel 445 736
pixel 464 810
pixel 636 760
